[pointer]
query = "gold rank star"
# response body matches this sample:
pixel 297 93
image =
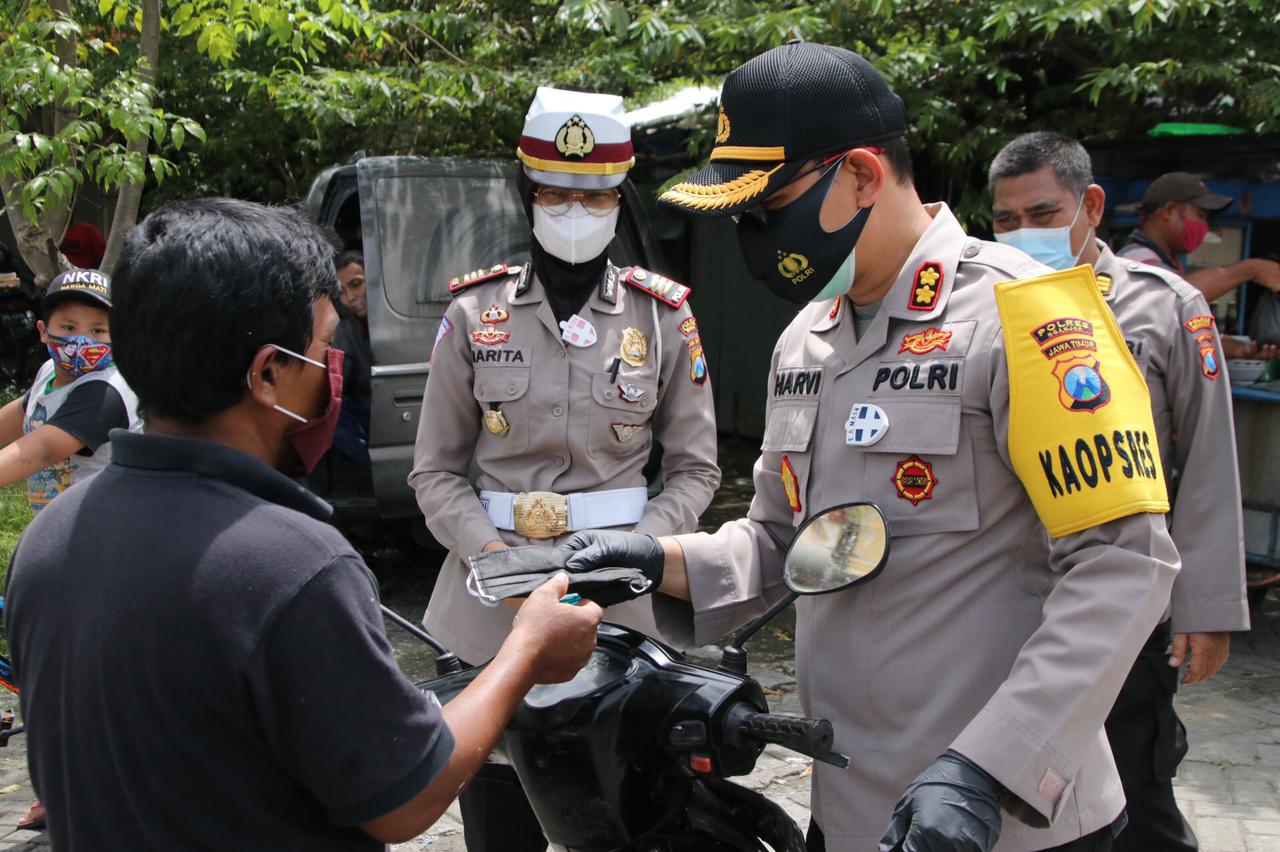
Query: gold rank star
pixel 928 277
pixel 925 291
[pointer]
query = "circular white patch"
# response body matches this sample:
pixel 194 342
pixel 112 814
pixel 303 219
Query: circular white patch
pixel 866 425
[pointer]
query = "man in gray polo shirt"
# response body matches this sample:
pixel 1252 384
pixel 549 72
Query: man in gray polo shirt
pixel 201 656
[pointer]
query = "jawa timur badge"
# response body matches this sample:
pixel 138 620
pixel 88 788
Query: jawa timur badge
pixel 494 314
pixel 635 347
pixel 574 139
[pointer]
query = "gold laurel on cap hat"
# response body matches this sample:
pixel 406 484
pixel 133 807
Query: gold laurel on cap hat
pixel 576 139
pixel 781 109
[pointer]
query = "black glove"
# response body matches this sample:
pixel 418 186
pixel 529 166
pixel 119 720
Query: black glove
pixel 517 571
pixel 596 549
pixel 953 806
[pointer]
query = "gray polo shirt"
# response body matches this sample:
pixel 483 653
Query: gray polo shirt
pixel 203 664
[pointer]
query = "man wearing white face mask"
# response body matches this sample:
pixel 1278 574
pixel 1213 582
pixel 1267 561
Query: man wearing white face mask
pixel 1045 203
pixel 556 377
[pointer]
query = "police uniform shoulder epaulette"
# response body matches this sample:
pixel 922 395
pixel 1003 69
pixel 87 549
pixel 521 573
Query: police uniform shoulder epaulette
pixel 489 273
pixel 1007 259
pixel 660 287
pixel 1179 284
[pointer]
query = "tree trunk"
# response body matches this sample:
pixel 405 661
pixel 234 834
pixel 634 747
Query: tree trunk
pixel 37 241
pixel 130 195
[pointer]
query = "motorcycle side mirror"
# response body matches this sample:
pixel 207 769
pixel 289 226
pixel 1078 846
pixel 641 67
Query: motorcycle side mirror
pixel 834 550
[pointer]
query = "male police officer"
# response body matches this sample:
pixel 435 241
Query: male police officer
pixel 983 660
pixel 1045 203
pixel 556 376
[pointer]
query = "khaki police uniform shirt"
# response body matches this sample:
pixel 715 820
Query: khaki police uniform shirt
pixel 981 634
pixel 564 409
pixel 1169 329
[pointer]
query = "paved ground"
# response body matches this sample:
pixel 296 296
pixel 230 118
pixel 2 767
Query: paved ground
pixel 1227 785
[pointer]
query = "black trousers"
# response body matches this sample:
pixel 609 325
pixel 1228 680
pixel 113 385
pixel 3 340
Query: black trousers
pixel 496 816
pixel 1148 742
pixel 1099 841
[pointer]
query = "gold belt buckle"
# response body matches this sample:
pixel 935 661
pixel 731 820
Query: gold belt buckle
pixel 541 514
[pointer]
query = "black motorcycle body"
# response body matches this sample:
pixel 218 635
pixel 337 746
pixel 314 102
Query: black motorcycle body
pixel 632 753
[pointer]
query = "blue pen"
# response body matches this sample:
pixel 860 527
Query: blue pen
pixel 572 599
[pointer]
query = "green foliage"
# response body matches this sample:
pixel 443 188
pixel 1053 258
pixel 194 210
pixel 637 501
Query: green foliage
pixel 285 87
pixel 67 117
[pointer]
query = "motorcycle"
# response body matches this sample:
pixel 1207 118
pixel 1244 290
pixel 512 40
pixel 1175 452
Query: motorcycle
pixel 633 753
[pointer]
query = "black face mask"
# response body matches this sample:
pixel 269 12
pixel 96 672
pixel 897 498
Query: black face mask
pixel 790 252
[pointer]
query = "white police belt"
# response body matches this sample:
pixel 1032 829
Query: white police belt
pixel 545 514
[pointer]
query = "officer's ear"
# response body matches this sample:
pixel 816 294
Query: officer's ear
pixel 862 177
pixel 1095 202
pixel 869 174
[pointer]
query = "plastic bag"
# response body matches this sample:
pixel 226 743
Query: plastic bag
pixel 1265 325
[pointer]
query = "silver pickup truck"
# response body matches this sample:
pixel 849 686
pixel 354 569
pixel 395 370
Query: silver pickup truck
pixel 421 221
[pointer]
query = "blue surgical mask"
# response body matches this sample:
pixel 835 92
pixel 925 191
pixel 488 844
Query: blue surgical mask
pixel 1050 246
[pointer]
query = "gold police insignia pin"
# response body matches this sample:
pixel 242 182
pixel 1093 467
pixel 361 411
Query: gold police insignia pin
pixel 635 347
pixel 574 139
pixel 496 423
pixel 722 127
pixel 494 314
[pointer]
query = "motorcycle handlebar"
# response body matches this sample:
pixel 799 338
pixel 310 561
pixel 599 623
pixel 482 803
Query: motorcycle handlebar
pixel 813 737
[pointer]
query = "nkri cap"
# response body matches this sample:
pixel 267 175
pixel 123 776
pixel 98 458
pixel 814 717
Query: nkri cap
pixel 82 284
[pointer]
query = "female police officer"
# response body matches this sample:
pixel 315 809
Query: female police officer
pixel 556 377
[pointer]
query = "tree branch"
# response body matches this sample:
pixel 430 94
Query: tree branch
pixel 130 195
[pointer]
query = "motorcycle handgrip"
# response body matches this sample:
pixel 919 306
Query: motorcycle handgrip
pixel 813 737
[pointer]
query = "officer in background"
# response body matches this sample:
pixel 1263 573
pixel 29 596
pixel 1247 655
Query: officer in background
pixel 557 376
pixel 976 410
pixel 1046 204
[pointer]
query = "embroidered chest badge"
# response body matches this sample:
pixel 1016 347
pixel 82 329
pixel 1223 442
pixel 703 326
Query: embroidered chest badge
pixel 490 336
pixel 924 342
pixel 926 287
pixel 790 484
pixel 914 480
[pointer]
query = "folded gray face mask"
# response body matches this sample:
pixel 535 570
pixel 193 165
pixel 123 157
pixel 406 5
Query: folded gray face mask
pixel 515 572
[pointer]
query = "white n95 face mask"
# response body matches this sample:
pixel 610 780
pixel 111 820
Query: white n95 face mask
pixel 576 236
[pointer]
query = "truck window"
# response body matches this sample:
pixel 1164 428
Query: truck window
pixel 433 229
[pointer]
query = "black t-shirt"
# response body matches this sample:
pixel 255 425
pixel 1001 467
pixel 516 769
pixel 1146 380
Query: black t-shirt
pixel 203 663
pixel 89 413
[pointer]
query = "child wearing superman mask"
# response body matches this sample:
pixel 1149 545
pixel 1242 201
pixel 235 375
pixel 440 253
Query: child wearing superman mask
pixel 58 433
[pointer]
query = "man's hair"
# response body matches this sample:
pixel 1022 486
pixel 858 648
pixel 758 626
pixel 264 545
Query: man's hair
pixel 898 154
pixel 201 286
pixel 1031 152
pixel 348 257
